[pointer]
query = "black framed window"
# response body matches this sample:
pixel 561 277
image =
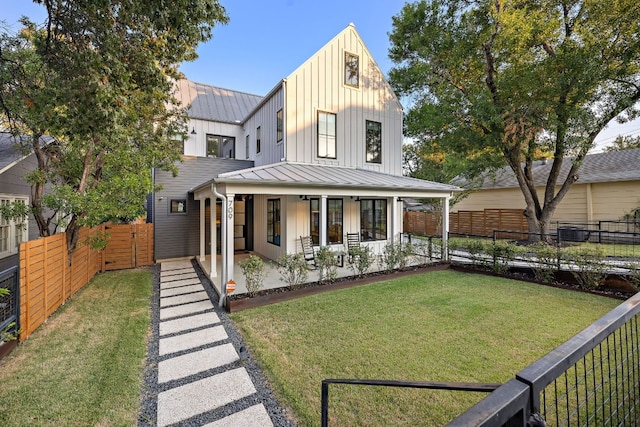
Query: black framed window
pixel 273 221
pixel 373 219
pixel 314 217
pixel 334 220
pixel 217 145
pixel 373 137
pixel 178 206
pixel 258 140
pixel 351 69
pixel 279 126
pixel 326 135
pixel 246 146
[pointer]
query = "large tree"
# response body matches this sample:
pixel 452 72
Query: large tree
pixel 501 81
pixel 90 93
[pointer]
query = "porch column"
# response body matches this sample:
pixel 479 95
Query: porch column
pixel 323 221
pixel 394 220
pixel 213 236
pixel 202 229
pixel 445 228
pixel 228 237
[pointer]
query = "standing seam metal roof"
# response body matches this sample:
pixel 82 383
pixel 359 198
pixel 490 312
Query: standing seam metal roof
pixel 330 176
pixel 215 104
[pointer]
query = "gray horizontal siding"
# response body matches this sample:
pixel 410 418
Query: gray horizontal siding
pixel 178 235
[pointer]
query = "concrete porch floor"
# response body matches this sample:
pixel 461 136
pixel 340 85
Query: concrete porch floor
pixel 271 277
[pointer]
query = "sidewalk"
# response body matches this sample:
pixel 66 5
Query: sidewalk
pixel 199 373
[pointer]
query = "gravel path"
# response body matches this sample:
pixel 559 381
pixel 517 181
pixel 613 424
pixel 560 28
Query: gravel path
pixel 151 389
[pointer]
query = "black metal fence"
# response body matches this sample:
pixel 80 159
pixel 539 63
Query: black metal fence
pixel 591 380
pixel 9 303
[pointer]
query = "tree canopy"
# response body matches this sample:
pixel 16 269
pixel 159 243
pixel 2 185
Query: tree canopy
pixel 97 78
pixel 500 82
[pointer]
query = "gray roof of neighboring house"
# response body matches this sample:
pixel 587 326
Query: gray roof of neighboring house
pixel 609 166
pixel 9 152
pixel 303 174
pixel 214 103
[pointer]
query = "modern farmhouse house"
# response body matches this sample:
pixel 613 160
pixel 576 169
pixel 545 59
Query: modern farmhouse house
pixel 320 156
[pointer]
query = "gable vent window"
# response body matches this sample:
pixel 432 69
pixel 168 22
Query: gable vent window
pixel 351 69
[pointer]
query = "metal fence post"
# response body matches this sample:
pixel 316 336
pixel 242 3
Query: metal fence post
pixel 324 408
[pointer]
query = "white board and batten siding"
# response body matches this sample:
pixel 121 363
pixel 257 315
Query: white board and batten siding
pixel 271 150
pixel 196 144
pixel 318 85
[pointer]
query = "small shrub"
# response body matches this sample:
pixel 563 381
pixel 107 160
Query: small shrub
pixel 503 252
pixel 479 251
pixel 361 259
pixel 253 271
pixel 396 255
pixel 589 268
pixel 293 268
pixel 327 263
pixel 547 261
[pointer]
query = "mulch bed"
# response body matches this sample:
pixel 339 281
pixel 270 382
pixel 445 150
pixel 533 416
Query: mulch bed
pixel 240 302
pixel 614 287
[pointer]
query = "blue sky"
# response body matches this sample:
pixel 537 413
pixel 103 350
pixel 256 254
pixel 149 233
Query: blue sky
pixel 265 40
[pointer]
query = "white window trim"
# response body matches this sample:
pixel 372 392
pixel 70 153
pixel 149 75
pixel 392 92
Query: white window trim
pixel 11 226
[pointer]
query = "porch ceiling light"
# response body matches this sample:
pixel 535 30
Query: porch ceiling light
pixel 193 131
pixel 304 197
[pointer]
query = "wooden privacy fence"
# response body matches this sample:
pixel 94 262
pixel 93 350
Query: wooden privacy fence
pixel 47 279
pixel 478 223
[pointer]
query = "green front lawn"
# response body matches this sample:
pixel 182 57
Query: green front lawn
pixel 439 326
pixel 83 367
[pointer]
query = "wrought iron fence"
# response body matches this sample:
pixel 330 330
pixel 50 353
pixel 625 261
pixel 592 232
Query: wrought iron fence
pixel 9 303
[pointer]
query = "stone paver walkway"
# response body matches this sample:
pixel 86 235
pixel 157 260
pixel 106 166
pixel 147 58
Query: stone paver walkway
pixel 199 370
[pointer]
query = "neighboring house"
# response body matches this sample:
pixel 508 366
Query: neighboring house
pixel 320 155
pixel 13 188
pixel 608 187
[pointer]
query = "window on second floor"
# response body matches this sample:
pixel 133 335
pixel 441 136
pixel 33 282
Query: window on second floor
pixel 258 140
pixel 279 126
pixel 246 146
pixel 373 137
pixel 351 69
pixel 217 145
pixel 326 135
pixel 373 219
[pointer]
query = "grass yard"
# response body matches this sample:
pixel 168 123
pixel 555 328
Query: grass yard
pixel 438 326
pixel 84 365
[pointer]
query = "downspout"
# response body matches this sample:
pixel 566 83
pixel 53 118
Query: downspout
pixel 223 251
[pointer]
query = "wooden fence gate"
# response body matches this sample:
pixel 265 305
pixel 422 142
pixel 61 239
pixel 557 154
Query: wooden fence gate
pixel 130 246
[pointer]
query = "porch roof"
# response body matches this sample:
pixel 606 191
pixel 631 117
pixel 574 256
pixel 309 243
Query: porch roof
pixel 300 176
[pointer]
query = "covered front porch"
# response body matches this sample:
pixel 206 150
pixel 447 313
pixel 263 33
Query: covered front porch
pixel 291 200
